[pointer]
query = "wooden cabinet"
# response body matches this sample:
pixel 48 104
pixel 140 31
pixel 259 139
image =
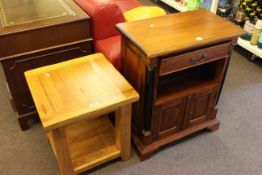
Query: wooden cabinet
pixel 178 69
pixel 36 40
pixel 183 112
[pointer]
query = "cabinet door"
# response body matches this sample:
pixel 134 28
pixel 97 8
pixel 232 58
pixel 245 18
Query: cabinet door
pixel 200 106
pixel 168 117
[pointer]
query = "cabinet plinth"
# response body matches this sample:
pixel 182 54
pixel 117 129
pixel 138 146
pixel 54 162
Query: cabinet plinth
pixel 178 69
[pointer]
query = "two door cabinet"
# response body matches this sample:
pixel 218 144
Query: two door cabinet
pixel 184 112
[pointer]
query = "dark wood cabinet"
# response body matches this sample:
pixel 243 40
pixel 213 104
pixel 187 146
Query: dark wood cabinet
pixel 39 40
pixel 178 69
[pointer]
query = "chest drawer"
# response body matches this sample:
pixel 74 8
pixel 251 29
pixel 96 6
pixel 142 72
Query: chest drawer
pixel 183 61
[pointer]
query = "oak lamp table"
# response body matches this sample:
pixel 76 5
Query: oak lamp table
pixel 72 99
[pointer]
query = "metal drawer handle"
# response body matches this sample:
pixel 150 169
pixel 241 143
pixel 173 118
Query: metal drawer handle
pixel 205 57
pixel 193 60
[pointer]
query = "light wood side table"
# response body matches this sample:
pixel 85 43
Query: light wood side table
pixel 72 99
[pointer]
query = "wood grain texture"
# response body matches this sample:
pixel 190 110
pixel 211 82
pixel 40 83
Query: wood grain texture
pixel 88 143
pixel 187 60
pixel 91 143
pixel 123 131
pixel 181 31
pixel 94 84
pixel 134 70
pixel 62 151
pixel 35 34
pixel 169 111
pixel 43 39
pixel 72 98
pixel 200 106
pixel 188 53
pixel 167 117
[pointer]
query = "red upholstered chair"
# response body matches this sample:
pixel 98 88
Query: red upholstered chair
pixel 105 14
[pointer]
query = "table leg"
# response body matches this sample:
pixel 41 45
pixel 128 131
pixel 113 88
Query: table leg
pixel 62 151
pixel 123 131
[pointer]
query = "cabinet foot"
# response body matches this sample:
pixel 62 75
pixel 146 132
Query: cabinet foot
pixel 24 119
pixel 214 126
pixel 23 124
pixel 146 156
pixel 141 150
pixel 36 119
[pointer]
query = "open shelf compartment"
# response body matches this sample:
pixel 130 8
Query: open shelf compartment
pixel 91 143
pixel 182 82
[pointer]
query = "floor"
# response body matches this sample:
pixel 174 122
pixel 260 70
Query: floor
pixel 234 149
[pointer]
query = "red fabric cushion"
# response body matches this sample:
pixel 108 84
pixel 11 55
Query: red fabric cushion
pixel 111 48
pixel 104 16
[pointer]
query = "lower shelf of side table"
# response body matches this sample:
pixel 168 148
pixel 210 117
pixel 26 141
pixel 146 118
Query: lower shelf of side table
pixel 91 143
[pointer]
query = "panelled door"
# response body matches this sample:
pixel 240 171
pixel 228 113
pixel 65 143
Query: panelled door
pixel 200 105
pixel 168 117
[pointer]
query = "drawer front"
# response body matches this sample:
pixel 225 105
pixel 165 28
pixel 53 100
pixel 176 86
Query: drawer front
pixel 44 38
pixel 179 62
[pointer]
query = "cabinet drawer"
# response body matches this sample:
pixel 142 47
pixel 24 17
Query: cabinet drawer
pixel 179 62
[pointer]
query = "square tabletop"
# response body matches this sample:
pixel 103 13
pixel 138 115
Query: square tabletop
pixel 78 89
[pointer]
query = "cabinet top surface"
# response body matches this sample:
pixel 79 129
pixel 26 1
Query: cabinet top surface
pixel 81 88
pixel 177 32
pixel 22 15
